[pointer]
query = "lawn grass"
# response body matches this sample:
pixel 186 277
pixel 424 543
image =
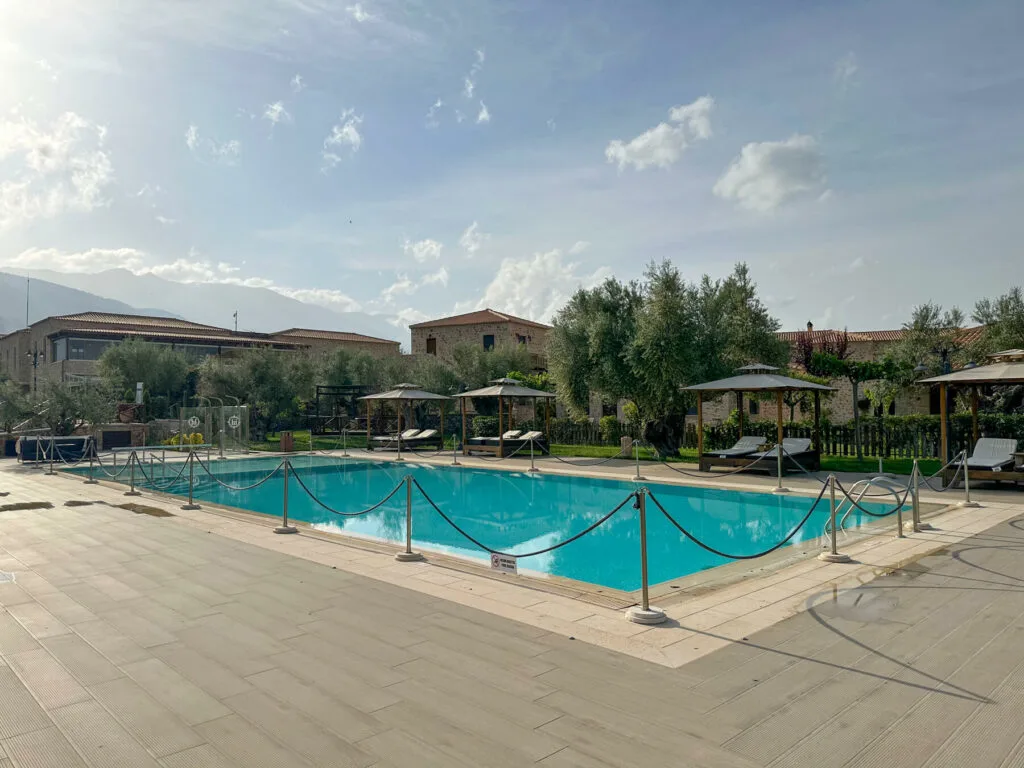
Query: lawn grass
pixel 686 455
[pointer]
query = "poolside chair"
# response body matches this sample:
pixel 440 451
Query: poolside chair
pixel 745 446
pixel 992 454
pixel 426 437
pixel 389 439
pixel 792 446
pixel 510 435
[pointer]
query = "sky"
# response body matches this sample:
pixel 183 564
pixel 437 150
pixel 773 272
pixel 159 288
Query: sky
pixel 413 159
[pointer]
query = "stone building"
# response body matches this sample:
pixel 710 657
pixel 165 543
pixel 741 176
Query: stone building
pixel 486 327
pixel 67 347
pixel 863 346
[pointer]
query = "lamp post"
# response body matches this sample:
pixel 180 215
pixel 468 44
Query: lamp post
pixel 34 356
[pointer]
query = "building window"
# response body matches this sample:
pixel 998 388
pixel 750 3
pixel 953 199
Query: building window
pixel 520 339
pixel 755 407
pixel 489 341
pixel 60 350
pixel 431 346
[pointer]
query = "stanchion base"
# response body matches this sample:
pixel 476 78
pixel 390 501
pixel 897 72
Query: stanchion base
pixel 533 469
pixel 190 507
pixel 925 527
pixel 652 615
pixel 408 557
pixel 838 557
pixel 132 493
pixel 49 472
pixel 639 477
pixel 968 504
pixel 780 490
pixel 91 482
pixel 286 529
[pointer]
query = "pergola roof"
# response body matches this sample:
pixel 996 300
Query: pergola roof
pixel 1010 372
pixel 405 392
pixel 506 388
pixel 758 382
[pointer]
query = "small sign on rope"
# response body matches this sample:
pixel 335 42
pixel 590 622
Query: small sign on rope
pixel 504 564
pixel 6 577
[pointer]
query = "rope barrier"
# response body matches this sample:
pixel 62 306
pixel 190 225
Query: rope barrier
pixel 706 475
pixel 216 479
pixel 856 505
pixel 617 457
pixel 333 511
pixel 484 547
pixel 726 555
pixel 122 470
pixel 165 485
pixel 960 459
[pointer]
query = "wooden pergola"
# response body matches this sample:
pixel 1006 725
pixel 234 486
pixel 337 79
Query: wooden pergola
pixel 506 390
pixel 1005 368
pixel 757 378
pixel 404 395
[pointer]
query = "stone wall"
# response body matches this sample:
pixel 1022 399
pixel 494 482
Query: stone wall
pixel 447 337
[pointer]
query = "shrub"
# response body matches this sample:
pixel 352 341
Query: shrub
pixel 610 429
pixel 485 426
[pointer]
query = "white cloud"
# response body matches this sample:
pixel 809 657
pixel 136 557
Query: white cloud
pixel 769 173
pixel 423 250
pixel 856 264
pixel 536 287
pixel 47 69
pixel 460 116
pixel 408 316
pixel 432 121
pixel 358 13
pixel 298 85
pixel 473 239
pixel 166 220
pixel 403 286
pixel 468 87
pixel 845 71
pixel 483 116
pixel 149 190
pixel 436 278
pixel 226 152
pixel 664 144
pixel 56 168
pixel 276 113
pixel 183 270
pixel 552 125
pixel 93 260
pixel 578 247
pixel 344 134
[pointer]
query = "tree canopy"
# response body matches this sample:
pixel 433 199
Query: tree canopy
pixel 645 340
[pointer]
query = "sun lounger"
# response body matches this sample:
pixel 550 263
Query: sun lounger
pixel 745 446
pixel 428 437
pixel 791 446
pixel 510 435
pixel 992 454
pixel 385 440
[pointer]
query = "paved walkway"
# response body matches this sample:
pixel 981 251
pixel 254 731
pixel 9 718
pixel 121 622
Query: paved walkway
pixel 131 640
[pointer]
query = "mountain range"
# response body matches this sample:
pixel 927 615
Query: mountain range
pixel 121 291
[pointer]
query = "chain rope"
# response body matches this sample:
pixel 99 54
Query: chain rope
pixel 217 480
pixel 334 511
pixel 552 548
pixel 726 555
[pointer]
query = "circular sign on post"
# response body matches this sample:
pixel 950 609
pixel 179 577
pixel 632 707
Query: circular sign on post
pixel 193 421
pixel 495 561
pixel 234 422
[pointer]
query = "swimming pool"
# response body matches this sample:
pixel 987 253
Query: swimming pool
pixel 520 512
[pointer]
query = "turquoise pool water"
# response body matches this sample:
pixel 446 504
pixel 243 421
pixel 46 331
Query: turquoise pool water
pixel 521 512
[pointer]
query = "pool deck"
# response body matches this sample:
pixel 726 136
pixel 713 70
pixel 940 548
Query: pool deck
pixel 203 639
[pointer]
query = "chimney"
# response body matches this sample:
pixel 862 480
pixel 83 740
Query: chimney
pixel 810 327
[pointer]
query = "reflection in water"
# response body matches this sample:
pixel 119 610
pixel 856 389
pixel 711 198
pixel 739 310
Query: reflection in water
pixel 520 512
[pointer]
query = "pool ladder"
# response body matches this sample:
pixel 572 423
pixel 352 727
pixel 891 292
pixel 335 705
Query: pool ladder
pixel 859 490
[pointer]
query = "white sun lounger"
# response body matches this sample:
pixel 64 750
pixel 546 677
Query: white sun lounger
pixel 992 454
pixel 792 446
pixel 745 446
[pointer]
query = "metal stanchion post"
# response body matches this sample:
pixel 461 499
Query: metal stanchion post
pixel 284 527
pixel 408 556
pixel 636 454
pixel 833 555
pixel 967 486
pixel 132 461
pixel 915 488
pixel 344 442
pixel 899 520
pixel 191 481
pixel 53 450
pixel 533 467
pixel 644 613
pixel 113 454
pixel 152 468
pixel 455 449
pixel 92 453
pixel 778 469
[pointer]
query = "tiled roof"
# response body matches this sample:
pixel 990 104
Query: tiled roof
pixel 965 335
pixel 307 333
pixel 226 337
pixel 136 321
pixel 480 316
